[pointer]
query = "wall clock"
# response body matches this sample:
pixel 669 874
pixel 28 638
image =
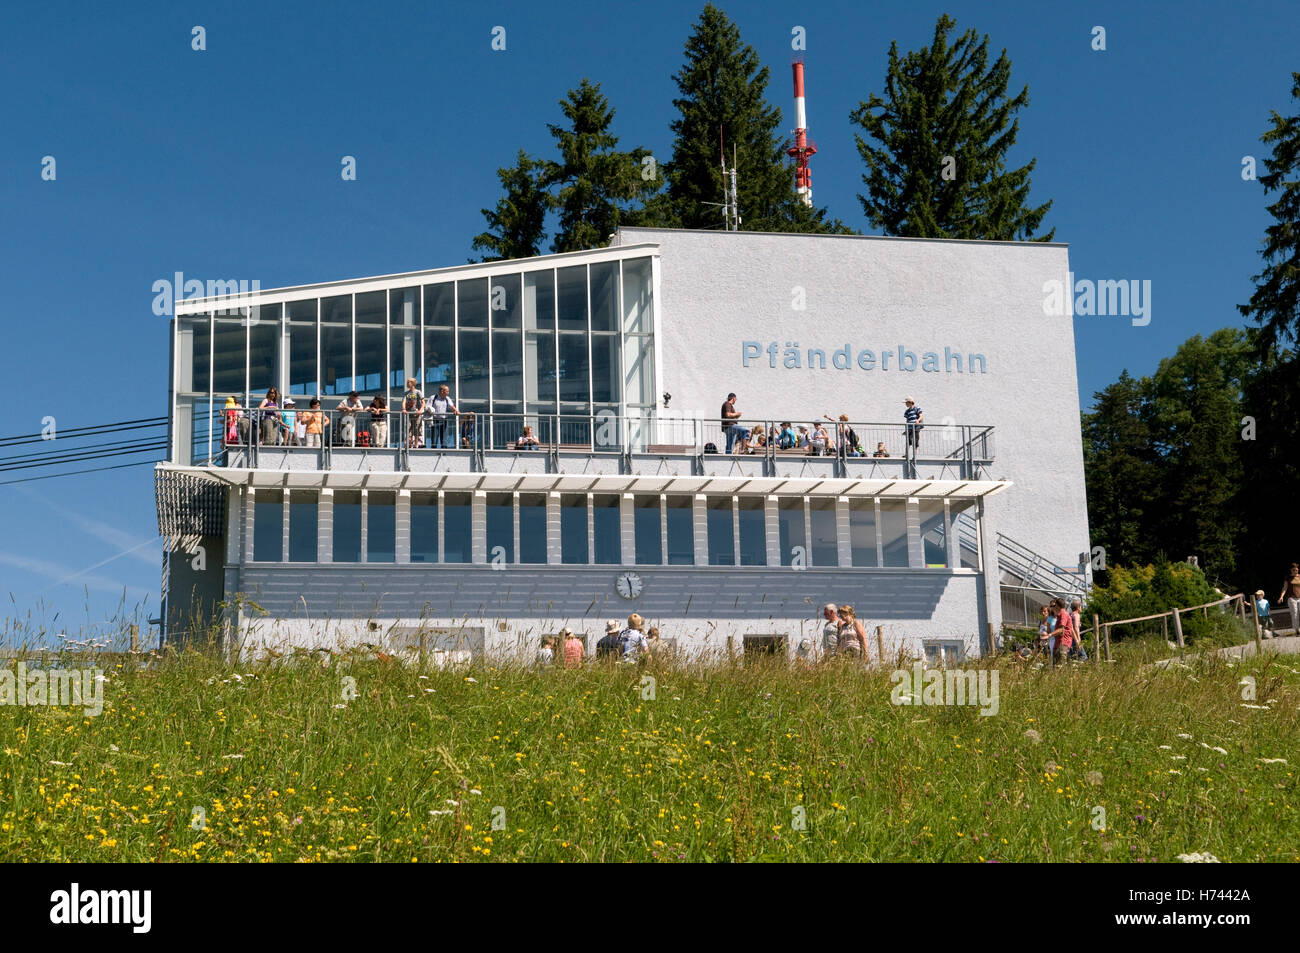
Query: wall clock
pixel 628 585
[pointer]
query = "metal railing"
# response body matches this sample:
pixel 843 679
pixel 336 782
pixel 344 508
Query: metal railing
pixel 330 430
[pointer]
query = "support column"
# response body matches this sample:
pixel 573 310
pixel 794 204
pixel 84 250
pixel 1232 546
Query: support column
pixel 700 523
pixel 772 529
pixel 478 528
pixel 990 579
pixel 915 549
pixel 248 525
pixel 325 527
pixel 284 526
pixel 842 531
pixel 402 553
pixel 554 552
pixel 442 526
pixel 514 526
pixel 365 520
pixel 627 527
pixel 735 527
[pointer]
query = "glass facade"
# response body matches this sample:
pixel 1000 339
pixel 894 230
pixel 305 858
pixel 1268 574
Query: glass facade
pixel 589 529
pixel 520 345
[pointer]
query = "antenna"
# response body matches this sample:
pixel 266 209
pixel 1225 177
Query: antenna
pixel 802 148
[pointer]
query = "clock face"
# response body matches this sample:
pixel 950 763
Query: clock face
pixel 628 585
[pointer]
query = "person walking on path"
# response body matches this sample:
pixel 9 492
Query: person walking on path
pixel 1291 593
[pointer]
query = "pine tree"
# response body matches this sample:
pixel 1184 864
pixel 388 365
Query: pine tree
pixel 1275 304
pixel 1120 472
pixel 938 143
pixel 723 112
pixel 517 226
pixel 592 184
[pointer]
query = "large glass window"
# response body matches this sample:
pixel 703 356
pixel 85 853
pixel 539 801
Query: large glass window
pixel 825 538
pixel 893 532
pixel 753 531
pixel 604 296
pixel 964 532
pixel 336 344
pixel 605 369
pixel 196 365
pixel 862 531
pixel 472 303
pixel 638 316
pixel 371 358
pixel 648 531
pixel 539 371
pixel 574 368
pixel 572 296
pixel 381 526
pixel 264 352
pixel 347 526
pixel 790 524
pixel 506 302
pixel 302 347
pixel 573 528
pixel 539 300
pixel 532 527
pixel 439 359
pixel 303 517
pixel 472 365
pixel 229 352
pixel 508 371
pixel 268 526
pixel 440 305
pixel 606 526
pixel 500 527
pixel 932 534
pixel 681 531
pixel 456 509
pixel 721 527
pixel 424 527
pixel 403 339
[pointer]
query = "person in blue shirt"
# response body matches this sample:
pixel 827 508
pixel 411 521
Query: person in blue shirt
pixel 915 418
pixel 1265 621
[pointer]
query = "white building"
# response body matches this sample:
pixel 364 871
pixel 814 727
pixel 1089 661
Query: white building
pixel 482 547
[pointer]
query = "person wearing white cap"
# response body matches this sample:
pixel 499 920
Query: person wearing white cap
pixel 915 419
pixel 831 630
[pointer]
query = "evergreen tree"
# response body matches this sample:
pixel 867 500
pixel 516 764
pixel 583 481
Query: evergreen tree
pixel 1275 304
pixel 1120 471
pixel 1195 413
pixel 723 111
pixel 517 225
pixel 592 184
pixel 938 144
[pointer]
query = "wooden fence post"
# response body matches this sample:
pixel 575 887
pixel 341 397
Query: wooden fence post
pixel 1096 637
pixel 135 638
pixel 1254 614
pixel 1106 632
pixel 1178 628
pixel 1164 627
pixel 880 644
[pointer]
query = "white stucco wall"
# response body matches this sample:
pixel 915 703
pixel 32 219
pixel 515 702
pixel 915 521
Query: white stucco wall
pixel 720 289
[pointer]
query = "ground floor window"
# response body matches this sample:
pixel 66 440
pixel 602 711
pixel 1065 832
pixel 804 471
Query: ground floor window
pixel 680 521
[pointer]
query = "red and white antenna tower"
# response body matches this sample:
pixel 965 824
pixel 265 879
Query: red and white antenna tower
pixel 802 148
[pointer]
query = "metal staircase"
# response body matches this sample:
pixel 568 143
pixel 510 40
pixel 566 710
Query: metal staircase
pixel 1023 569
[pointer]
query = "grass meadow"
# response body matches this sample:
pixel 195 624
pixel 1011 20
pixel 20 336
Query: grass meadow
pixel 362 759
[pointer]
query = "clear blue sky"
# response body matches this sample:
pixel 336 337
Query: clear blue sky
pixel 225 164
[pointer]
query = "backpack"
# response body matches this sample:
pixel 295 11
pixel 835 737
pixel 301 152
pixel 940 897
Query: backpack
pixel 710 448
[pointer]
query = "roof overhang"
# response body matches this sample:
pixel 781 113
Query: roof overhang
pixel 592 483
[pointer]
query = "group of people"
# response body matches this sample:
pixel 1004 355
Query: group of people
pixel 843 634
pixel 1059 633
pixel 630 643
pixel 278 422
pixel 1290 594
pixel 813 439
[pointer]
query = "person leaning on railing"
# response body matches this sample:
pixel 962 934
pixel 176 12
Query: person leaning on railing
pixel 378 408
pixel 236 423
pixel 526 440
pixel 468 432
pixel 413 406
pixel 438 408
pixel 270 422
pixel 311 420
pixel 347 423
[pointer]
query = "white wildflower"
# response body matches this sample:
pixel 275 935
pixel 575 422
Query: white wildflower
pixel 1198 858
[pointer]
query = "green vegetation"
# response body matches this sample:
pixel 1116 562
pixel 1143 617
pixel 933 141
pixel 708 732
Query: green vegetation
pixel 285 762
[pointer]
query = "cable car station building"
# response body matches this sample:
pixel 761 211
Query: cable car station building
pixel 619 359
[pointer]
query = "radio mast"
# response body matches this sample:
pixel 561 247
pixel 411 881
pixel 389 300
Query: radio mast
pixel 802 149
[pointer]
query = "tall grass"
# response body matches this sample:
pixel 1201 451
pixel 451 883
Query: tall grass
pixel 330 758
